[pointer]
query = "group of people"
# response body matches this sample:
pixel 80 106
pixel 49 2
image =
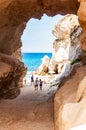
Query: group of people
pixel 37 83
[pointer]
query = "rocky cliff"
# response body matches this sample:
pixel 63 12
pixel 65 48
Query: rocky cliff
pixel 70 100
pixel 66 46
pixel 14 15
pixel 11 73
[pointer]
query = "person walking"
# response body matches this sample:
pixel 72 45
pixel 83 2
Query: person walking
pixel 40 84
pixel 32 80
pixel 36 83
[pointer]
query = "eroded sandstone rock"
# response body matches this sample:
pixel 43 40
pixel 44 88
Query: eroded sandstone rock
pixel 70 101
pixel 14 15
pixel 82 19
pixel 43 68
pixel 11 72
pixel 66 47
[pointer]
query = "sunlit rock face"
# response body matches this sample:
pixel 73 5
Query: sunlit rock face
pixel 14 15
pixel 43 68
pixel 66 47
pixel 70 101
pixel 82 19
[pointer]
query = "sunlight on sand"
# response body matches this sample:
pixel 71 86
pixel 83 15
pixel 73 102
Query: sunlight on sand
pixel 29 111
pixel 80 127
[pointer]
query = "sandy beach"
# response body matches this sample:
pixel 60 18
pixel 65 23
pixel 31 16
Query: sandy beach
pixel 31 110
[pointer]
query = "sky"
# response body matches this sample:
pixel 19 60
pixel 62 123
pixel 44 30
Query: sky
pixel 37 36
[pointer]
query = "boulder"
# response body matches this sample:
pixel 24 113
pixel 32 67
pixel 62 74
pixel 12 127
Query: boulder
pixel 43 68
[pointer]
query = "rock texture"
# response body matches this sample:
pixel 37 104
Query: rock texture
pixel 66 47
pixel 82 19
pixel 11 73
pixel 70 101
pixel 14 15
pixel 43 68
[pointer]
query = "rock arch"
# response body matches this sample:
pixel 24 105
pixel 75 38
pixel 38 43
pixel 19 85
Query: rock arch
pixel 14 15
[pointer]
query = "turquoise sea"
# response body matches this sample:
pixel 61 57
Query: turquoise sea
pixel 33 60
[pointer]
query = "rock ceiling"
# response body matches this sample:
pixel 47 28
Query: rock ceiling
pixel 14 15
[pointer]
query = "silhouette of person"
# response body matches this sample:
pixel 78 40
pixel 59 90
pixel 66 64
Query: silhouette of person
pixel 40 84
pixel 36 83
pixel 32 80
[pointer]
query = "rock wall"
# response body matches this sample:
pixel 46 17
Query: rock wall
pixel 66 46
pixel 14 15
pixel 82 19
pixel 70 100
pixel 11 72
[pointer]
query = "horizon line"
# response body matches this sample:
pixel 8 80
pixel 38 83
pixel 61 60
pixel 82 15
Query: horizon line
pixel 36 52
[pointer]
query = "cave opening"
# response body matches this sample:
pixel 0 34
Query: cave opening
pixel 37 38
pixel 37 42
pixel 28 112
pixel 28 108
pixel 24 112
